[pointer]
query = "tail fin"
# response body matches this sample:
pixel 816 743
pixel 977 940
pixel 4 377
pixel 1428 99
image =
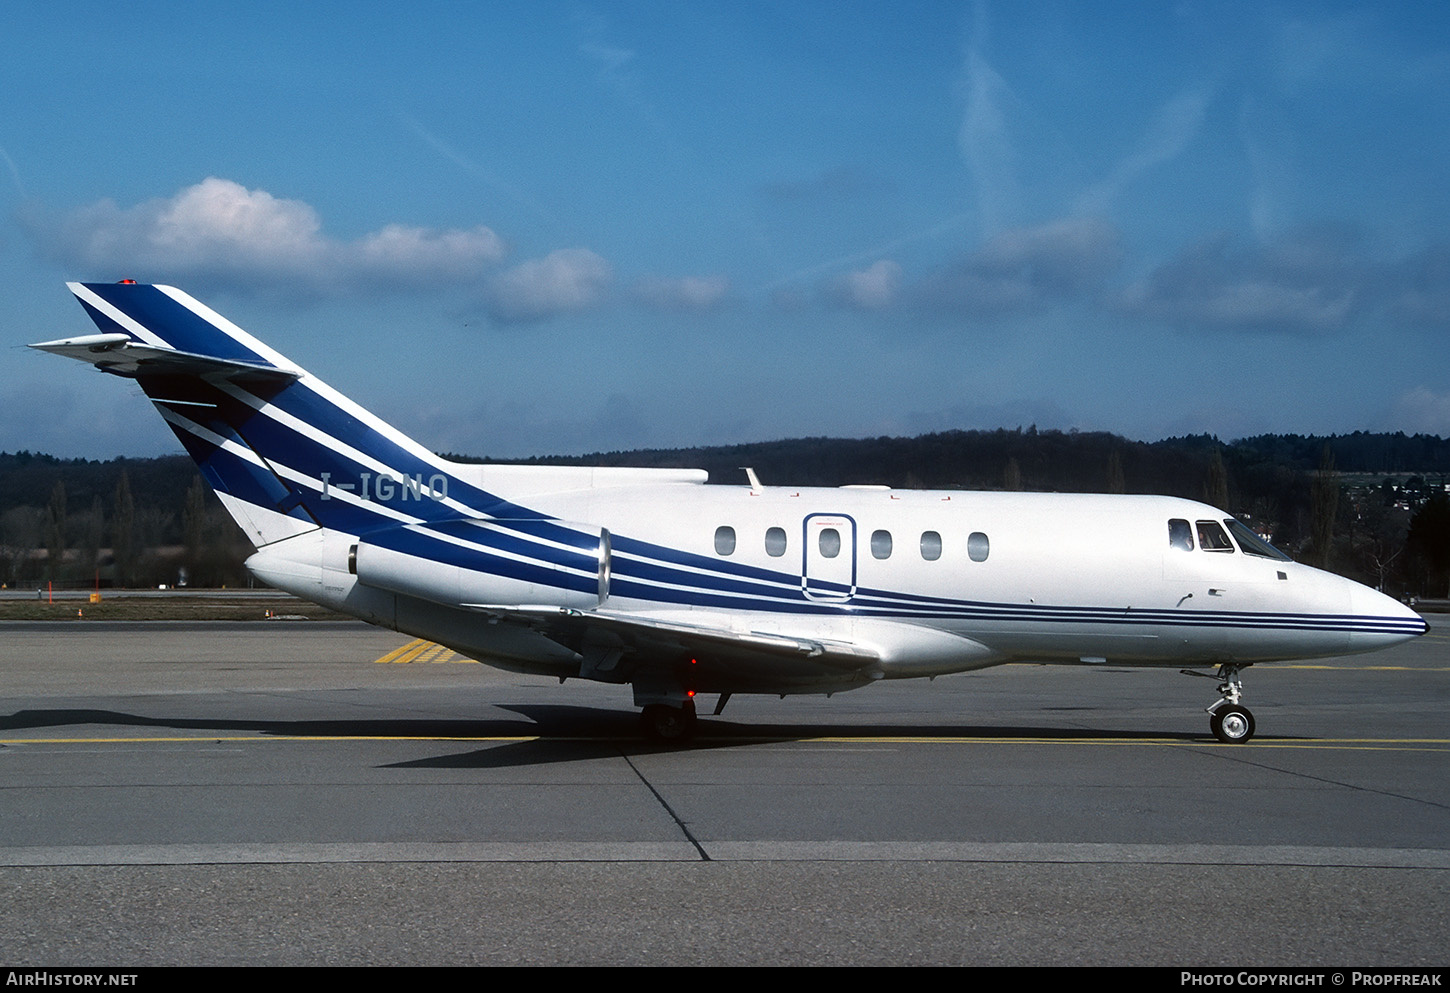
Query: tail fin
pixel 285 453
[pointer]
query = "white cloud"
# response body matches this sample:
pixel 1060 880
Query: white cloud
pixel 1063 256
pixel 872 288
pixel 1316 280
pixel 683 293
pixel 219 231
pixel 1252 305
pixel 1028 267
pixel 564 281
pixel 425 254
pixel 1423 411
pixel 1311 283
pixel 1420 290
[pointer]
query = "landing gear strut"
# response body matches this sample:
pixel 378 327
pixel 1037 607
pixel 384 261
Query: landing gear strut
pixel 1231 723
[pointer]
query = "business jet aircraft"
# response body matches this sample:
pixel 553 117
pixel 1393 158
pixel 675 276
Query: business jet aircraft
pixel 648 577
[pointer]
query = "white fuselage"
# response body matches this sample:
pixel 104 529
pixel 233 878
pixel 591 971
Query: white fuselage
pixel 930 581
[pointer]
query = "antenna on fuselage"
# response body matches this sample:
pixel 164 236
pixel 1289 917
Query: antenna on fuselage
pixel 755 486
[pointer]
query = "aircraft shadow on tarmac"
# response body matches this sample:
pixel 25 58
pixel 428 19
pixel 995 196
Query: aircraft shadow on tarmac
pixel 564 733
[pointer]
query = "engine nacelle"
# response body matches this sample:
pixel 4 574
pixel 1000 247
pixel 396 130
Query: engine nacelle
pixel 491 561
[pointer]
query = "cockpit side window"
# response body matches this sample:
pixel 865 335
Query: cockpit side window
pixel 1211 538
pixel 1251 542
pixel 1180 535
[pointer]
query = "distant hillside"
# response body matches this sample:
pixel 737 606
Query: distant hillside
pixel 1047 460
pixel 29 477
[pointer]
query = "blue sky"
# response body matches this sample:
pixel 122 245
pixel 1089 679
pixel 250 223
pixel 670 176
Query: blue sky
pixel 535 227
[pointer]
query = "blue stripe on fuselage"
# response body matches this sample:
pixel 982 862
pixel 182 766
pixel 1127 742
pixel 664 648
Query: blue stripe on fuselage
pixel 569 570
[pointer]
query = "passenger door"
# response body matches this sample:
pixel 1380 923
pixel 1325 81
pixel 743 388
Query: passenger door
pixel 828 569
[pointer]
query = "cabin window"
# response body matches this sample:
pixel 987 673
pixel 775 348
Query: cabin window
pixel 830 543
pixel 1211 538
pixel 1180 535
pixel 881 544
pixel 724 540
pixel 775 542
pixel 978 547
pixel 930 546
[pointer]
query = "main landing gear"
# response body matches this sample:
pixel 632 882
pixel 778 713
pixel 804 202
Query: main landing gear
pixel 668 712
pixel 664 722
pixel 1230 722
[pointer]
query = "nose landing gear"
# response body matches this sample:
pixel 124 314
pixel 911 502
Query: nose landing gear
pixel 1231 723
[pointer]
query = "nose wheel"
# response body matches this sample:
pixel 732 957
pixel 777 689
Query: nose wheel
pixel 1230 722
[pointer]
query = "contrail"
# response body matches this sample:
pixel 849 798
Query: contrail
pixel 14 172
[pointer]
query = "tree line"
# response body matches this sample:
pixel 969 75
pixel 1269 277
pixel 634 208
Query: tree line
pixel 123 522
pixel 1370 506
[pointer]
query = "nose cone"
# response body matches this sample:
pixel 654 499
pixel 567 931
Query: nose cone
pixel 1380 621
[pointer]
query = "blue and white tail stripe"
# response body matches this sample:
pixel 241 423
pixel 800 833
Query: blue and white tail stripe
pixel 288 453
pixel 166 317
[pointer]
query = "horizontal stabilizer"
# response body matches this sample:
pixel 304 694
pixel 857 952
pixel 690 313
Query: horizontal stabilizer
pixel 122 355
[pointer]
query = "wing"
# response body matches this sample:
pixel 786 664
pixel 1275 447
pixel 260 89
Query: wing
pixel 619 646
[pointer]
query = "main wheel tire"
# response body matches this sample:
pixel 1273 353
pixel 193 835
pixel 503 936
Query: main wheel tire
pixel 1232 725
pixel 665 723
